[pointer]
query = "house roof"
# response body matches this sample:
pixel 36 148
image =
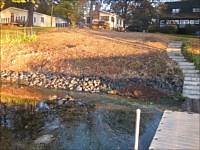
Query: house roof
pixel 111 14
pixel 20 9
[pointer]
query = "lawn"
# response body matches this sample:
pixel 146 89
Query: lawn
pixel 92 52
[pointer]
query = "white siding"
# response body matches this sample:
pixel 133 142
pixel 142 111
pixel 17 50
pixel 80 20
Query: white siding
pixel 114 24
pixel 17 13
pixel 45 22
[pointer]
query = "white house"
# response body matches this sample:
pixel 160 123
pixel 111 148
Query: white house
pixel 17 15
pixel 114 20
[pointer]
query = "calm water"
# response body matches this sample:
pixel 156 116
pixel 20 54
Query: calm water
pixel 108 125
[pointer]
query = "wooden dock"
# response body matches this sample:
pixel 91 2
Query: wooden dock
pixel 177 131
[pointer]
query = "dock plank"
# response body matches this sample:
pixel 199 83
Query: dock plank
pixel 177 131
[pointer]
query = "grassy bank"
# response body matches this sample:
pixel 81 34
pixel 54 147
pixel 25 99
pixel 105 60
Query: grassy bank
pixel 10 99
pixel 21 34
pixel 190 54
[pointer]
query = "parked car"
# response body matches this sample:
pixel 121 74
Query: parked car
pixel 80 24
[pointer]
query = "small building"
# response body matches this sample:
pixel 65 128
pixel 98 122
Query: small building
pixel 20 16
pixel 60 22
pixel 181 13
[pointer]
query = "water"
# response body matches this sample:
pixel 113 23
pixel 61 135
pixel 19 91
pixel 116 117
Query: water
pixel 108 125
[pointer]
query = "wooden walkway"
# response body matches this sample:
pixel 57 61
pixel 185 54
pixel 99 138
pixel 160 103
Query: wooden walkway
pixel 177 131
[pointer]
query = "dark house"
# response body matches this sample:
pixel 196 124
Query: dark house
pixel 181 13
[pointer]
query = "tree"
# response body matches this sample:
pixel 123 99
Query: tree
pixel 121 7
pixel 91 12
pixel 69 9
pixel 142 15
pixel 2 3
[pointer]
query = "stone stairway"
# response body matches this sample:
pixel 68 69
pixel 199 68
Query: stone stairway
pixel 191 85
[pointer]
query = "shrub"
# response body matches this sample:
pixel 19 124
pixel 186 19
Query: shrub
pixel 187 52
pixel 190 30
pixel 153 28
pixel 171 29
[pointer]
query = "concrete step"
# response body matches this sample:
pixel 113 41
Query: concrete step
pixel 177 57
pixel 196 79
pixel 191 96
pixel 191 87
pixel 177 42
pixel 174 54
pixel 189 71
pixel 187 67
pixel 186 82
pixel 174 46
pixel 192 92
pixel 176 50
pixel 191 75
pixel 186 64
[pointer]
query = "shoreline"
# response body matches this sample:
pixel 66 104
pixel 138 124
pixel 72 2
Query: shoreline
pixel 93 84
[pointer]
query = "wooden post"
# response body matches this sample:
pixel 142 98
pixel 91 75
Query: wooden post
pixel 137 129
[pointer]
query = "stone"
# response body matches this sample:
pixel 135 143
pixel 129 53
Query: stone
pixel 79 89
pixel 44 139
pixel 54 97
pixel 113 92
pixel 61 102
pixel 41 106
pixel 69 98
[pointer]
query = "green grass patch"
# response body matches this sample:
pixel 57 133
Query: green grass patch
pixel 187 52
pixel 10 99
pixel 19 39
pixel 21 34
pixel 184 36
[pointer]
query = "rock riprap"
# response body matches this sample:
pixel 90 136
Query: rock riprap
pixel 91 84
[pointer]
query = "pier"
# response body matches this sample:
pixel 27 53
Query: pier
pixel 178 131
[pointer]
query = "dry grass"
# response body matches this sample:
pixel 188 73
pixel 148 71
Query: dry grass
pixel 102 53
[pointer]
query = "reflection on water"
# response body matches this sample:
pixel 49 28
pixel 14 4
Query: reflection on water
pixel 105 126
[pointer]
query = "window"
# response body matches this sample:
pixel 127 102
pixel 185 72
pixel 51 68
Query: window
pixel 184 21
pixel 42 19
pixel 191 21
pixel 196 21
pixel 177 21
pixel 12 17
pixel 88 19
pixel 112 19
pixel 176 11
pixel 105 18
pixel 196 10
pixel 24 18
pixel 35 20
pixel 162 21
pixel 117 21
